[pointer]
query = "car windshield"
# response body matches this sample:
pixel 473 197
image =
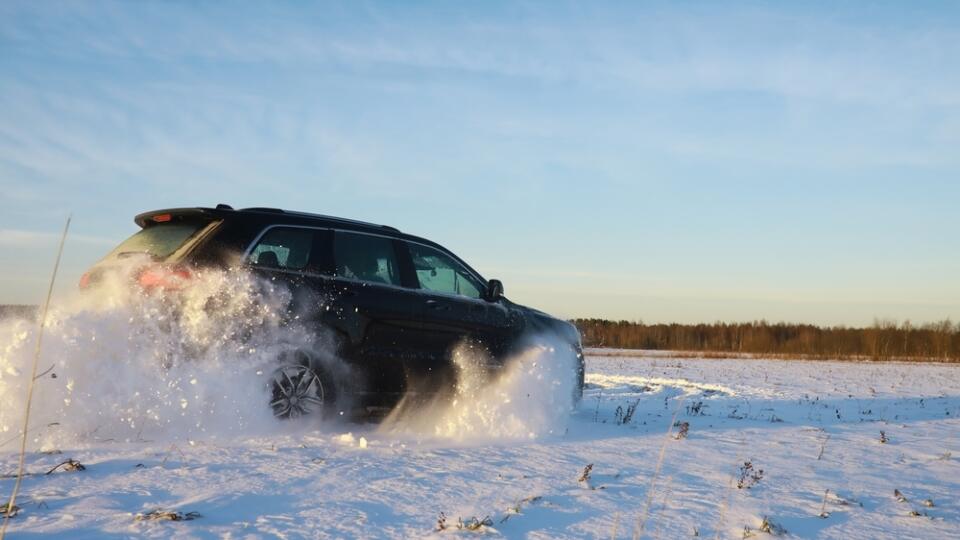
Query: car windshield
pixel 158 241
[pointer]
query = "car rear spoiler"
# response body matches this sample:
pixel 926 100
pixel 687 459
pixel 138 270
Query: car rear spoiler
pixel 154 217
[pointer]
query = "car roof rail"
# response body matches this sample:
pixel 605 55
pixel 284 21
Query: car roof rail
pixel 318 216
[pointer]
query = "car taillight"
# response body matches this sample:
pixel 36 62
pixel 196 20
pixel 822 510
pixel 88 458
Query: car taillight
pixel 164 277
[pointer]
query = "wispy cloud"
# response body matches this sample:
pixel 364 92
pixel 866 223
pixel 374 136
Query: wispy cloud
pixel 713 128
pixel 14 238
pixel 789 51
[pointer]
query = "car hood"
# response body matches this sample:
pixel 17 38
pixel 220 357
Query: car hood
pixel 539 322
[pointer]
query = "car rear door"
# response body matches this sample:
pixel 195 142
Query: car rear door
pixel 297 258
pixel 378 308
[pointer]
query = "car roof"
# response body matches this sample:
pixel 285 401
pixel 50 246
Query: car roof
pixel 261 214
pixel 279 216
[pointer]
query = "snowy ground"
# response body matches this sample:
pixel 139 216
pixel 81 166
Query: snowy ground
pixel 813 428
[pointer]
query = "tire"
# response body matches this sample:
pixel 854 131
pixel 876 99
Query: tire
pixel 580 366
pixel 300 387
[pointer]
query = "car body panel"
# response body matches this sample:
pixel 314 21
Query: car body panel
pixel 399 335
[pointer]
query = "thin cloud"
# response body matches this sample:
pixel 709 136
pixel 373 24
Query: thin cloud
pixel 22 239
pixel 694 49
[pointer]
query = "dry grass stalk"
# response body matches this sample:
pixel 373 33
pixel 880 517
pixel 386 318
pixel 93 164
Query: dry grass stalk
pixel 169 451
pixel 167 515
pixel 33 379
pixel 68 465
pixel 585 475
pixel 723 508
pixel 771 527
pixel 441 522
pixel 823 446
pixel 749 476
pixel 642 519
pixel 474 524
pixel 515 509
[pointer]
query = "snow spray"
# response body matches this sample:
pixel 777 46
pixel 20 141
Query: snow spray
pixel 531 396
pixel 122 364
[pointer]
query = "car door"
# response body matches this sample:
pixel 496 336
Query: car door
pixel 295 258
pixel 378 308
pixel 454 308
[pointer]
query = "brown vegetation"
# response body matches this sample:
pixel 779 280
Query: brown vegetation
pixel 885 340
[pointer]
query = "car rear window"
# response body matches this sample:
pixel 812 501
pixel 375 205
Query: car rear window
pixel 365 257
pixel 160 240
pixel 286 248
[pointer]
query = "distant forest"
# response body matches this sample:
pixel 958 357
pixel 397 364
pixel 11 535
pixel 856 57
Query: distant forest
pixel 885 340
pixel 17 311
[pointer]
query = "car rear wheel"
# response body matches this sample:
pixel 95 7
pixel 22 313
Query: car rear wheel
pixel 300 387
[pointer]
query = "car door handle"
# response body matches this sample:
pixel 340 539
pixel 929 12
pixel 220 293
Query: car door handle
pixel 433 304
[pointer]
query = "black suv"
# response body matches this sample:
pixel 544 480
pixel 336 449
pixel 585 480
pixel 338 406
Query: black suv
pixel 396 304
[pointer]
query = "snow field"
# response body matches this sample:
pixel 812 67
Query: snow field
pixel 169 413
pixel 371 481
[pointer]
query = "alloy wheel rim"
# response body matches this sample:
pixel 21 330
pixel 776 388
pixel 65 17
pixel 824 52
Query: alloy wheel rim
pixel 297 391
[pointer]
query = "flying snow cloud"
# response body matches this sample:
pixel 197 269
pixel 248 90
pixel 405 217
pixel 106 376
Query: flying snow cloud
pixel 120 364
pixel 531 396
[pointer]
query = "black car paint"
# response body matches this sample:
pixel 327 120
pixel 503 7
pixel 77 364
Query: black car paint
pixel 399 336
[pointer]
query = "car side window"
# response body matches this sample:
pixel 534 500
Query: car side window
pixel 285 248
pixel 438 272
pixel 365 257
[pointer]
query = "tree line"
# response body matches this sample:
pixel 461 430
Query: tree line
pixel 18 311
pixel 884 340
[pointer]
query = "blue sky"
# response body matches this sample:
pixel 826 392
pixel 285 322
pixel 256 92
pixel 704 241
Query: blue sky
pixel 676 161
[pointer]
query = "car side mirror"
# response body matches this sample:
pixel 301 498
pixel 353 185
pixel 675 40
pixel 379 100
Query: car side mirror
pixel 494 290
